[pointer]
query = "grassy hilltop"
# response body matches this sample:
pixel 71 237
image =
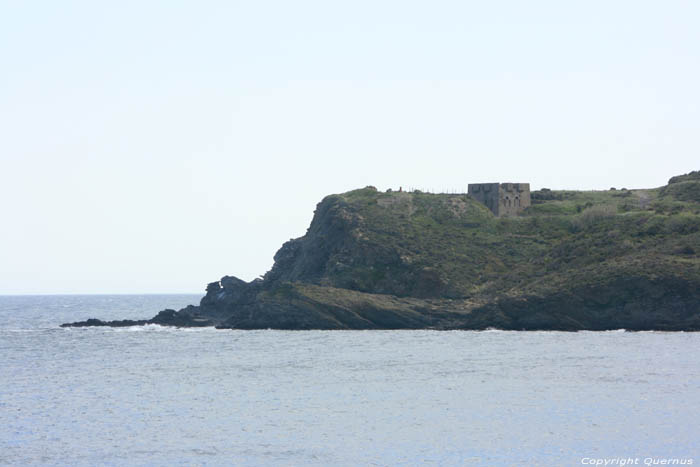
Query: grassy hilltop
pixel 630 255
pixel 573 260
pixel 433 245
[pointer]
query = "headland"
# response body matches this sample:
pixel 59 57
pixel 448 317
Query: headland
pixel 502 257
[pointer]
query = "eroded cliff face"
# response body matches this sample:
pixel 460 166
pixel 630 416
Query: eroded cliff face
pixel 331 242
pixel 573 260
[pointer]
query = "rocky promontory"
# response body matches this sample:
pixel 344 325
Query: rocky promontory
pixel 573 260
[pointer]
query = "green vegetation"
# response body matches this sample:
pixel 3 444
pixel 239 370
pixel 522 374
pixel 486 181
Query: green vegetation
pixel 606 249
pixel 573 260
pixel 450 245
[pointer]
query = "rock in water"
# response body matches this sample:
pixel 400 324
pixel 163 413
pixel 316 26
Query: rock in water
pixel 390 260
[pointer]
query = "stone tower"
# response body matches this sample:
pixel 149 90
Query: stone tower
pixel 503 199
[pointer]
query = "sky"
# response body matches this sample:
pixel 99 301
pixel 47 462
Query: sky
pixel 153 147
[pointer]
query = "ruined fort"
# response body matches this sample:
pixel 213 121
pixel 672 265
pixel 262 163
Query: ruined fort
pixel 503 199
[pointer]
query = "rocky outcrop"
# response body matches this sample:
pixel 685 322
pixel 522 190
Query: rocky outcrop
pixel 187 317
pixel 572 261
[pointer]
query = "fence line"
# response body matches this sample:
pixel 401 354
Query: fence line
pixel 433 191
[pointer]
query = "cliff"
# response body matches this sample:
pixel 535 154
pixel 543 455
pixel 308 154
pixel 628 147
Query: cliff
pixel 573 260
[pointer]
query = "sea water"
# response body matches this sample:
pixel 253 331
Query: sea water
pixel 151 395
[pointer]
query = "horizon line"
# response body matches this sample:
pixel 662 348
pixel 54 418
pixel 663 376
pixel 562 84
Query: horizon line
pixel 96 293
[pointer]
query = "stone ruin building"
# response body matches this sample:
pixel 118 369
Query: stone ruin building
pixel 503 199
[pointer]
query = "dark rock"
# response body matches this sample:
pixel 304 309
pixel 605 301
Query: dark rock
pixel 98 322
pixel 398 260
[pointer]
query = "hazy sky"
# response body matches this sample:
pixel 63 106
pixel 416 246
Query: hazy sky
pixel 156 146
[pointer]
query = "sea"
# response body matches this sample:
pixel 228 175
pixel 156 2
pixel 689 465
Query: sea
pixel 152 396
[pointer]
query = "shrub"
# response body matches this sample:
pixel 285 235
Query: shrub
pixel 653 225
pixel 580 208
pixel 684 250
pixel 624 193
pixel 694 175
pixel 545 194
pixel 592 215
pixel 683 224
pixel 683 191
